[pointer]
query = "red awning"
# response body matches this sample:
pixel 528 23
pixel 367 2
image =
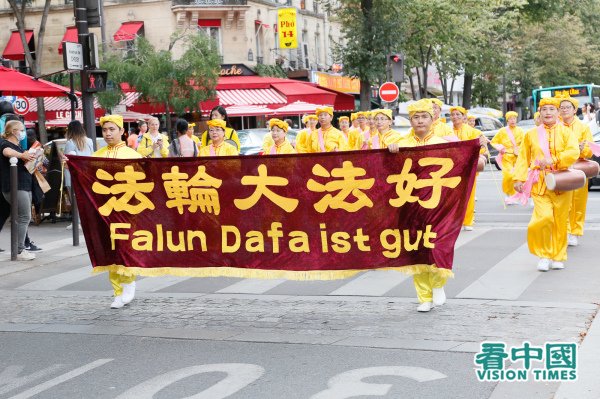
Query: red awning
pixel 128 31
pixel 70 36
pixel 154 108
pixel 250 97
pixel 14 48
pixel 299 91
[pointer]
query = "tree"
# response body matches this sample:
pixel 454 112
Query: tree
pixel 19 8
pixel 179 84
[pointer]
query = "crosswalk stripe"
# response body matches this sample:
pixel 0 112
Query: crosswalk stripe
pixel 373 283
pixel 58 280
pixel 507 279
pixel 251 286
pixel 153 284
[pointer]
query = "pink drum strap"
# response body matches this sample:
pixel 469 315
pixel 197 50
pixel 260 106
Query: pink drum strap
pixel 511 136
pixel 321 140
pixel 212 151
pixel 273 150
pixel 543 140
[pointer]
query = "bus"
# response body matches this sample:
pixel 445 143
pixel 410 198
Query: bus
pixel 584 93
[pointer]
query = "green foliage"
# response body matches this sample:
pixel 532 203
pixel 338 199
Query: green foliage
pixel 274 71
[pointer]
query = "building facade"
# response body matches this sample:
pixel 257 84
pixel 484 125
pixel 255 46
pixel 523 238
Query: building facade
pixel 244 31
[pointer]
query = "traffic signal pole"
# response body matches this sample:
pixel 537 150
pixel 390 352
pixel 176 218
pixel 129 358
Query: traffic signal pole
pixel 87 99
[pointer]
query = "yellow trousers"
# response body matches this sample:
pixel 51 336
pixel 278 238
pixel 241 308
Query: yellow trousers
pixel 577 213
pixel 508 164
pixel 470 214
pixel 425 283
pixel 547 229
pixel 117 281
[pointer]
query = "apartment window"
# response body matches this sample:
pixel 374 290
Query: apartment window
pixel 212 29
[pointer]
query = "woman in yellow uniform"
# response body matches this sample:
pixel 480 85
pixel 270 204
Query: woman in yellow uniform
pixel 303 136
pixel 439 127
pixel 471 119
pixel 154 144
pixel 568 111
pixel 429 283
pixel 385 134
pixel 353 121
pixel 466 132
pixel 112 130
pixel 353 137
pixel 280 143
pixel 326 138
pixel 547 147
pixel 217 146
pixel 507 141
pixel 231 135
pixel 191 135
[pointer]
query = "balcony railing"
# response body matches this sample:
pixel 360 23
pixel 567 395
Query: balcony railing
pixel 209 3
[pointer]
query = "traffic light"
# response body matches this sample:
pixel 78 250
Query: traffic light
pixel 92 8
pixel 95 81
pixel 396 63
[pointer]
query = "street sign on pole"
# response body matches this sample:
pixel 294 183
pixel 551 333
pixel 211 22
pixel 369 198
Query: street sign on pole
pixel 73 56
pixel 389 92
pixel 21 105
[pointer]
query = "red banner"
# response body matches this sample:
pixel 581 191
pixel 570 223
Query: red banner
pixel 308 216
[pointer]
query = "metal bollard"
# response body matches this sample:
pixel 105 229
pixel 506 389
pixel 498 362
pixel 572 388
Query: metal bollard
pixel 14 210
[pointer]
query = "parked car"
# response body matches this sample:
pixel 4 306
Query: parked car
pixel 252 140
pixel 595 181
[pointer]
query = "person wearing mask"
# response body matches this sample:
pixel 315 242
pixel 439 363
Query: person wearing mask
pixel 547 229
pixel 430 281
pixel 14 133
pixel 231 135
pixel 183 145
pixel 280 145
pixel 154 144
pixel 217 145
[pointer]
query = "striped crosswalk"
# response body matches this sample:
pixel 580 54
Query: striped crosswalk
pixel 505 274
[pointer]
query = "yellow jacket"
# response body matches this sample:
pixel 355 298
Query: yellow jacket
pixel 230 134
pixel 389 137
pixel 145 147
pixel 285 148
pixel 303 141
pixel 583 133
pixel 441 129
pixel 222 150
pixel 119 151
pixel 333 140
pixel 564 150
pixel 354 139
pixel 502 138
pixel 411 139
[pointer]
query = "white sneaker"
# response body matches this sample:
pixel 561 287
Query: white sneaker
pixel 128 292
pixel 25 255
pixel 439 296
pixel 573 242
pixel 544 264
pixel 425 307
pixel 117 303
pixel 468 228
pixel 556 265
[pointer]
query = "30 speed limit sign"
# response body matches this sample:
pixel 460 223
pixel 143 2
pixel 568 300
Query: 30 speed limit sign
pixel 21 105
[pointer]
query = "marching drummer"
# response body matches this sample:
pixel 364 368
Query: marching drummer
pixel 547 147
pixel 568 110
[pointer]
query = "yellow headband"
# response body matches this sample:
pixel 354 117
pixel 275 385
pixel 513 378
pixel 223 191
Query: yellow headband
pixel 459 109
pixel 387 112
pixel 191 125
pixel 312 116
pixel 305 119
pixel 555 102
pixel 511 114
pixel 424 105
pixel 536 115
pixel 437 102
pixel 362 114
pixel 344 118
pixel 572 100
pixel 471 117
pixel 329 110
pixel 116 119
pixel 279 123
pixel 353 116
pixel 217 123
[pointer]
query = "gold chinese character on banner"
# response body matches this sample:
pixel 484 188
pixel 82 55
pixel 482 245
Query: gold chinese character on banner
pixel 198 192
pixel 129 188
pixel 261 182
pixel 346 185
pixel 406 182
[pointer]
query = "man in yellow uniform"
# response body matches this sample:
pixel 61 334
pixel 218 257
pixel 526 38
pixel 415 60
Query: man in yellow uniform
pixel 363 128
pixel 326 138
pixel 353 121
pixel 568 111
pixel 440 128
pixel 217 146
pixel 428 284
pixel 466 132
pixel 507 141
pixel 112 130
pixel 303 136
pixel 353 137
pixel 280 145
pixel 550 146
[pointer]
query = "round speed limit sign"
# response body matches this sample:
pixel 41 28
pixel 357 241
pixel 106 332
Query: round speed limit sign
pixel 21 105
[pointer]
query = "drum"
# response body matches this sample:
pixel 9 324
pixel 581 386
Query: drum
pixel 481 163
pixel 565 180
pixel 590 168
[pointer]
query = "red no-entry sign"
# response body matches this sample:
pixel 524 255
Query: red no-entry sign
pixel 389 92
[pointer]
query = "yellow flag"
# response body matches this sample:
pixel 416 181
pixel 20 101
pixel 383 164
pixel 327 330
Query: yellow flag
pixel 286 28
